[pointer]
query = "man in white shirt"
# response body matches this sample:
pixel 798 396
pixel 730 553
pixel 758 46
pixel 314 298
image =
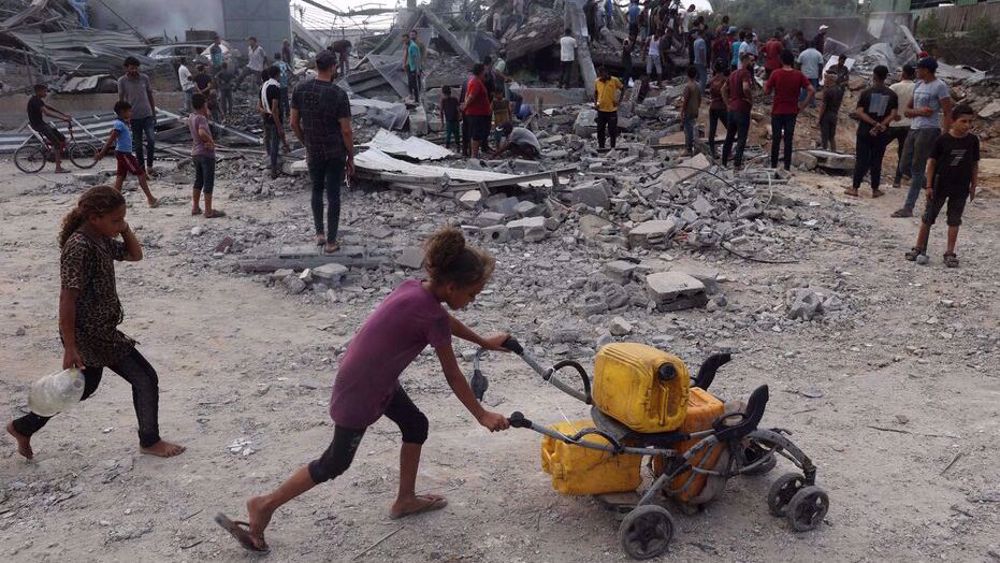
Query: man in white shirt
pixel 256 57
pixel 567 58
pixel 811 63
pixel 187 85
pixel 900 128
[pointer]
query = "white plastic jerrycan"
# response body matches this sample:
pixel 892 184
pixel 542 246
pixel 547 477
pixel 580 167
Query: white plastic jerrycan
pixel 56 392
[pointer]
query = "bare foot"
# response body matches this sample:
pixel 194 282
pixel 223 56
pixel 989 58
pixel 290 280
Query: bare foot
pixel 415 505
pixel 320 239
pixel 153 203
pixel 23 442
pixel 259 516
pixel 163 448
pixel 196 211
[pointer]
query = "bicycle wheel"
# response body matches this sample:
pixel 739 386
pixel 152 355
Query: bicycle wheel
pixel 30 158
pixel 81 155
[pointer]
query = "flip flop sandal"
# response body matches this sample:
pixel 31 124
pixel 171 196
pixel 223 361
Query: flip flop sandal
pixel 877 193
pixel 950 260
pixel 436 504
pixel 852 193
pixel 196 211
pixel 330 248
pixel 913 253
pixel 215 214
pixel 320 240
pixel 240 531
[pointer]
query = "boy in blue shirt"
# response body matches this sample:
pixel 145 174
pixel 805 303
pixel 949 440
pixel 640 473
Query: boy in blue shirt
pixel 121 138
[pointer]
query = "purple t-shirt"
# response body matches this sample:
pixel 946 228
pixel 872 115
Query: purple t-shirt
pixel 196 123
pixel 404 324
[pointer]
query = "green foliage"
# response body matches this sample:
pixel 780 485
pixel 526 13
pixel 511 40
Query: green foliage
pixel 930 27
pixel 767 15
pixel 983 34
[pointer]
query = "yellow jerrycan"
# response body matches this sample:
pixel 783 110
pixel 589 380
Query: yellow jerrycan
pixel 576 470
pixel 643 388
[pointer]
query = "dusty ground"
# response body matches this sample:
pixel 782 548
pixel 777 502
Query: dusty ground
pixel 915 352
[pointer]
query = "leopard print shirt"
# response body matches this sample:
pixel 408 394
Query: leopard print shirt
pixel 87 265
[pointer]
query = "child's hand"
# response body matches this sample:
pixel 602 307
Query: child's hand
pixel 72 359
pixel 495 422
pixel 496 341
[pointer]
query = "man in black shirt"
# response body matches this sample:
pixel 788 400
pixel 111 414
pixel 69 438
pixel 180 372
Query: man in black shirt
pixel 321 119
pixel 204 84
pixel 952 175
pixel 224 80
pixel 37 110
pixel 876 110
pixel 270 109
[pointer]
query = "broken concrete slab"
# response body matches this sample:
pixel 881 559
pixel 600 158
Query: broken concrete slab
pixel 586 123
pixel 496 233
pixel 531 229
pixel 991 110
pixel 620 327
pixel 593 194
pixel 332 272
pixel 690 168
pixel 673 291
pixel 620 270
pixel 299 251
pixel 489 219
pixel 471 199
pixel 592 225
pixel 652 233
pixel 412 257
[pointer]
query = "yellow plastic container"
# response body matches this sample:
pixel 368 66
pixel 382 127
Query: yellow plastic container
pixel 703 409
pixel 576 470
pixel 628 387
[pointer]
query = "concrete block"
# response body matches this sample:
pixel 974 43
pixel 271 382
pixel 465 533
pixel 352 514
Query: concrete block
pixel 652 233
pixel 593 194
pixel 470 199
pixel 496 233
pixel 412 257
pixel 673 291
pixel 531 229
pixel 298 168
pixel 502 204
pixel 331 273
pixel 528 209
pixel 586 123
pixel 592 225
pixel 620 270
pixel 299 251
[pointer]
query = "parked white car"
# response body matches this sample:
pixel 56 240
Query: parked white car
pixel 199 52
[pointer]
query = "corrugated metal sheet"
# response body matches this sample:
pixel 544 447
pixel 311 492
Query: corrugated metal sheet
pixel 86 51
pixel 99 125
pixel 413 147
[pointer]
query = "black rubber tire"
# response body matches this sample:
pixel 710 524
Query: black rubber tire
pixel 30 159
pixel 808 508
pixel 81 155
pixel 782 491
pixel 646 531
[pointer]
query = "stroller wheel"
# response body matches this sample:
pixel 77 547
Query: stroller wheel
pixel 646 531
pixel 807 509
pixel 782 491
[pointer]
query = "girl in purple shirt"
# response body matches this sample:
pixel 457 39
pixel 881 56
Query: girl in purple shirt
pixel 367 384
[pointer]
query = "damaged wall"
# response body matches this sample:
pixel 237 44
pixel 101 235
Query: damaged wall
pixel 154 18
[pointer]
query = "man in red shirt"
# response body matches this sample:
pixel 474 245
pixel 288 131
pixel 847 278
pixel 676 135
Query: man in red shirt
pixel 772 54
pixel 786 83
pixel 740 91
pixel 477 108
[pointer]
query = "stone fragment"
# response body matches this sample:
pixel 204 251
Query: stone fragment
pixel 496 233
pixel 471 199
pixel 281 274
pixel 652 233
pixel 331 272
pixel 412 257
pixel 502 204
pixel 593 194
pixel 990 110
pixel 586 123
pixel 592 225
pixel 488 219
pixel 806 303
pixel 527 209
pixel 531 229
pixel 293 284
pixel 673 291
pixel 620 270
pixel 620 327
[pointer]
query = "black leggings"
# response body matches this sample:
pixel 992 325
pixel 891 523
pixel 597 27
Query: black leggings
pixel 339 455
pixel 145 397
pixel 715 116
pixel 327 174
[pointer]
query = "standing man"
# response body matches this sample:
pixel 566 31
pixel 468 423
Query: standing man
pixel 37 110
pixel 900 128
pixel 717 101
pixel 215 53
pixel 285 74
pixel 740 90
pixel 930 108
pixel 876 110
pixel 477 108
pixel 412 64
pixel 567 58
pixel 626 61
pixel 286 52
pixel 786 83
pixel 255 63
pixel 690 104
pixel 187 85
pixel 633 19
pixel 811 63
pixel 205 85
pixel 829 109
pixel 772 54
pixel 608 93
pixel 321 119
pixel 135 89
pixel 819 41
pixel 270 108
pixel 841 71
pixel 700 48
pixel 224 80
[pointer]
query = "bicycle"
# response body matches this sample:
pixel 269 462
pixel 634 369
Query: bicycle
pixel 36 150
